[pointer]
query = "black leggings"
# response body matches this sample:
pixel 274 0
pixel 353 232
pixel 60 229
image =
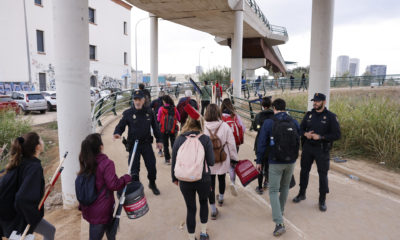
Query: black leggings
pixel 221 182
pixel 189 190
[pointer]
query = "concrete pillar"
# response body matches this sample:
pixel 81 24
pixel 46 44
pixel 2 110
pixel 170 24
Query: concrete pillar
pixel 237 48
pixel 154 50
pixel 321 48
pixel 71 50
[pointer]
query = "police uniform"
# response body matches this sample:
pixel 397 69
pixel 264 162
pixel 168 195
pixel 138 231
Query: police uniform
pixel 326 125
pixel 139 123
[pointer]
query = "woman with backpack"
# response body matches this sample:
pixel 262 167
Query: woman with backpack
pixel 92 161
pixel 224 148
pixel 168 117
pixel 238 128
pixel 192 155
pixel 24 178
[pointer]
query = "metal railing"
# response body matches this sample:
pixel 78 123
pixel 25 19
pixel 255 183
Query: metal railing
pixel 273 28
pixel 252 88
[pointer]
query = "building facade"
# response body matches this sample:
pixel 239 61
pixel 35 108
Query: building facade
pixel 376 70
pixel 27 45
pixel 342 65
pixel 354 67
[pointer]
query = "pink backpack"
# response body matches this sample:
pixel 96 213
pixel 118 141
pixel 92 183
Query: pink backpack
pixel 190 160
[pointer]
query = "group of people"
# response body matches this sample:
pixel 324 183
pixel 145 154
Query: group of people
pixel 204 149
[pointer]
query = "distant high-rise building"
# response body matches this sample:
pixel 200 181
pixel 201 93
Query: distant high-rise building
pixel 354 66
pixel 342 65
pixel 376 70
pixel 199 70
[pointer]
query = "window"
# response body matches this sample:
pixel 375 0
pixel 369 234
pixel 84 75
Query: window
pixel 125 30
pixel 92 52
pixel 125 58
pixel 38 2
pixel 40 41
pixel 92 15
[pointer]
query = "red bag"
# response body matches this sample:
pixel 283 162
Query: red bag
pixel 246 172
pixel 236 128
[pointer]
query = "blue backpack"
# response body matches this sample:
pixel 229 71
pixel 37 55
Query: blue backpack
pixel 85 189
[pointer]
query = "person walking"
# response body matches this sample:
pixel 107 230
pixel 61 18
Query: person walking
pixel 303 82
pixel 155 106
pixel 139 120
pixel 218 93
pixel 146 93
pixel 205 97
pixel 280 137
pixel 25 172
pixel 265 114
pixel 93 161
pixel 291 82
pixel 168 117
pixel 319 129
pixel 183 102
pixel 238 128
pixel 224 147
pixel 193 129
pixel 257 84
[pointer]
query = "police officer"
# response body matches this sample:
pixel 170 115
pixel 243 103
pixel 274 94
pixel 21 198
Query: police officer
pixel 139 119
pixel 318 129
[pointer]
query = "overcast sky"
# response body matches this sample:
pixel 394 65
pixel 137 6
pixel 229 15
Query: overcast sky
pixel 364 29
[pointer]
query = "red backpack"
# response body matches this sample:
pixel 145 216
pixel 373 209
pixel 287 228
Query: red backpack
pixel 168 120
pixel 236 128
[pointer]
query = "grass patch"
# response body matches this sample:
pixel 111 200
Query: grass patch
pixel 369 121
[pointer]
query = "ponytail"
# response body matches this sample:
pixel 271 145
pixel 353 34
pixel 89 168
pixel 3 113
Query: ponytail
pixel 22 147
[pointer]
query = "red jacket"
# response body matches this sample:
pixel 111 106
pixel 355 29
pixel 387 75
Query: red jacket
pixel 218 87
pixel 101 211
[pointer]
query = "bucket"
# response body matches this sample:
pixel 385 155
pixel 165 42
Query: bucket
pixel 135 204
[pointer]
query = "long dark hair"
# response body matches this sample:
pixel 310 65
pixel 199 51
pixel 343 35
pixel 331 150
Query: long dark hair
pixel 22 147
pixel 212 113
pixel 90 148
pixel 168 100
pixel 227 107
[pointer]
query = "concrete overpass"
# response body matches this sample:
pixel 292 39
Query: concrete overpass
pixel 239 24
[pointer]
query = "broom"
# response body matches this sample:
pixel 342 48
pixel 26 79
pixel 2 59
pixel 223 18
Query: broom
pixel 117 214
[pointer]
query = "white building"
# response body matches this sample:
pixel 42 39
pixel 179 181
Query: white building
pixel 342 65
pixel 376 70
pixel 109 40
pixel 354 67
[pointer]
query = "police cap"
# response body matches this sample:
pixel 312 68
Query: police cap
pixel 138 94
pixel 319 97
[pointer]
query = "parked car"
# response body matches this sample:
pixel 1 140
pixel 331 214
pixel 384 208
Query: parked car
pixel 51 99
pixel 6 103
pixel 30 101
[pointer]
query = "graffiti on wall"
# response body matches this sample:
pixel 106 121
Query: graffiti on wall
pixel 109 82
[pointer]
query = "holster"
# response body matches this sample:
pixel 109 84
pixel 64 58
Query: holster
pixel 128 144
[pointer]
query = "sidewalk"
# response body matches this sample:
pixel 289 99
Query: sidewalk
pixel 356 210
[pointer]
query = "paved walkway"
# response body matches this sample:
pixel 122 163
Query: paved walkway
pixel 355 210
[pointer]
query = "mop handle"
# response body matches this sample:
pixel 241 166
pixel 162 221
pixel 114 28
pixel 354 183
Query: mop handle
pixel 53 181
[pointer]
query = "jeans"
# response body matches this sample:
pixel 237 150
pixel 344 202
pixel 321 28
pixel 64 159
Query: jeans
pixel 96 232
pixel 279 180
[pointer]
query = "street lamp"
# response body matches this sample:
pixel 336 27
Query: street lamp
pixel 136 47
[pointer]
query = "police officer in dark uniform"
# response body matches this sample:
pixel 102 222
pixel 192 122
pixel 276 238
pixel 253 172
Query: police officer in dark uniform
pixel 318 129
pixel 139 119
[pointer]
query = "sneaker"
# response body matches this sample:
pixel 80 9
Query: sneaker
pixel 259 190
pixel 168 162
pixel 279 230
pixel 204 236
pixel 299 198
pixel 220 202
pixel 233 190
pixel 214 215
pixel 154 188
pixel 265 185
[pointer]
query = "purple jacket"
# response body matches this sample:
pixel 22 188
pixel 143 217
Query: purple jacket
pixel 101 211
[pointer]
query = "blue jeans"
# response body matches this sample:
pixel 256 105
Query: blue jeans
pixel 279 180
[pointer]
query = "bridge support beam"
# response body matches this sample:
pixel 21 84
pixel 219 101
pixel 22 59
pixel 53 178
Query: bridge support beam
pixel 321 48
pixel 153 50
pixel 237 51
pixel 73 86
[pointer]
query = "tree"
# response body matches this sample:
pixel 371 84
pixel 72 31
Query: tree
pixel 222 75
pixel 298 72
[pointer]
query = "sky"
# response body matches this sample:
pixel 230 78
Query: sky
pixel 363 29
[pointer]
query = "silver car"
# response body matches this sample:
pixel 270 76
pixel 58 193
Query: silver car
pixel 30 101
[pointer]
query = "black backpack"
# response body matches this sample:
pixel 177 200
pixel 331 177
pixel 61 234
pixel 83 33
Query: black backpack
pixel 287 140
pixel 8 189
pixel 170 121
pixel 85 189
